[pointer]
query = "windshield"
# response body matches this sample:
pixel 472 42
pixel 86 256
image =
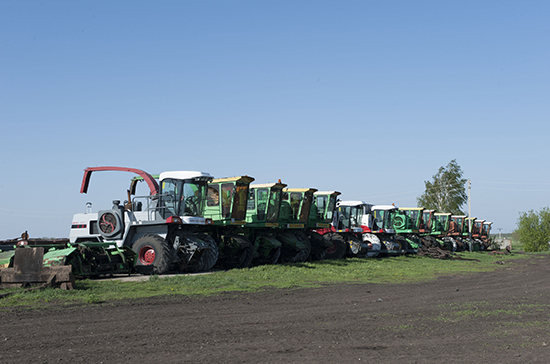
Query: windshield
pixel 414 219
pixel 330 208
pixel 344 218
pixel 426 220
pixel 378 219
pixel 439 222
pixel 239 204
pixel 321 203
pixel 272 214
pixel 306 206
pixel 295 202
pixel 356 216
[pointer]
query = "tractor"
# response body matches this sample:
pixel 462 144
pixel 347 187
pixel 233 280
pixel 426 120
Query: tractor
pixel 323 211
pixel 353 222
pixel 226 207
pixel 293 217
pixel 456 229
pixel 382 225
pixel 165 228
pixel 262 221
pixel 407 224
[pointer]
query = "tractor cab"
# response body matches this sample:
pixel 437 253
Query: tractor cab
pixel 226 200
pixel 440 225
pixel 426 222
pixel 477 229
pixel 349 216
pixel 322 209
pixel 456 225
pixel 382 219
pixel 486 230
pixel 263 204
pixel 407 220
pixel 182 194
pixel 469 224
pixel 296 207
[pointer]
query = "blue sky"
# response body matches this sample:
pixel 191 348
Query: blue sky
pixel 366 97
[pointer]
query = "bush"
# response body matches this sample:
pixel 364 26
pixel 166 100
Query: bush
pixel 534 230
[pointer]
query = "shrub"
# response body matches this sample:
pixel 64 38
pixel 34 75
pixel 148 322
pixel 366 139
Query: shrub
pixel 533 230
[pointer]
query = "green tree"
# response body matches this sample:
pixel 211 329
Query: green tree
pixel 447 191
pixel 533 230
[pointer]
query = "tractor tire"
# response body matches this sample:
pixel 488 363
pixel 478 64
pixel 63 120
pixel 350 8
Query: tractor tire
pixel 338 248
pixel 318 250
pixel 274 256
pixel 154 254
pixel 293 255
pixel 403 244
pixel 353 246
pixel 209 256
pixel 243 257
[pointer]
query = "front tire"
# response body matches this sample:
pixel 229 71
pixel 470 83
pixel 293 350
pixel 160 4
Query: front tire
pixel 153 254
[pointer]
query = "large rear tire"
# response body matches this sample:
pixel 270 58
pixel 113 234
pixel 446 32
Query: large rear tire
pixel 338 248
pixel 295 249
pixel 318 248
pixel 210 253
pixel 153 254
pixel 242 257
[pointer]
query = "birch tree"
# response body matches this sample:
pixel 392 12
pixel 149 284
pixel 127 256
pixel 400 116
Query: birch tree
pixel 447 191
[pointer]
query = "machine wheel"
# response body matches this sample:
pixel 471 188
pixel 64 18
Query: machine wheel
pixel 354 246
pixel 274 256
pixel 153 254
pixel 318 250
pixel 209 255
pixel 243 257
pixel 291 255
pixel 404 245
pixel 338 248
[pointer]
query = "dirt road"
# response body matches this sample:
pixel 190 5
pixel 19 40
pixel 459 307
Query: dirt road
pixel 498 317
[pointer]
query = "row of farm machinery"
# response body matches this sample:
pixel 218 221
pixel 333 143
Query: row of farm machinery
pixel 192 222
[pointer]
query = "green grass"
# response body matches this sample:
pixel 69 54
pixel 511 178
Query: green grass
pixel 289 276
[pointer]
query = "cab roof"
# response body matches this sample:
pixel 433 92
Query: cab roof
pixel 185 175
pixel 384 207
pixel 328 193
pixel 351 203
pixel 269 185
pixel 300 190
pixel 245 179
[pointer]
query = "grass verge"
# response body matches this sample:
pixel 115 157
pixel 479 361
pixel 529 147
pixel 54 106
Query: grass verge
pixel 315 274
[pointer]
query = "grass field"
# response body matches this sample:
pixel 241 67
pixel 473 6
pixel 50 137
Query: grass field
pixel 312 274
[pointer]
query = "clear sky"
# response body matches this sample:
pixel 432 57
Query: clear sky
pixel 366 97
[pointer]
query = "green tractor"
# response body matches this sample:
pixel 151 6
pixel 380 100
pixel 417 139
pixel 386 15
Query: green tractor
pixel 457 226
pixel 440 230
pixel 469 223
pixel 323 211
pixel 262 221
pixel 293 218
pixel 477 234
pixel 407 223
pixel 58 262
pixel 435 230
pixel 485 237
pixel 382 225
pixel 226 206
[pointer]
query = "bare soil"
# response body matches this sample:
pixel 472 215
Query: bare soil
pixel 497 317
